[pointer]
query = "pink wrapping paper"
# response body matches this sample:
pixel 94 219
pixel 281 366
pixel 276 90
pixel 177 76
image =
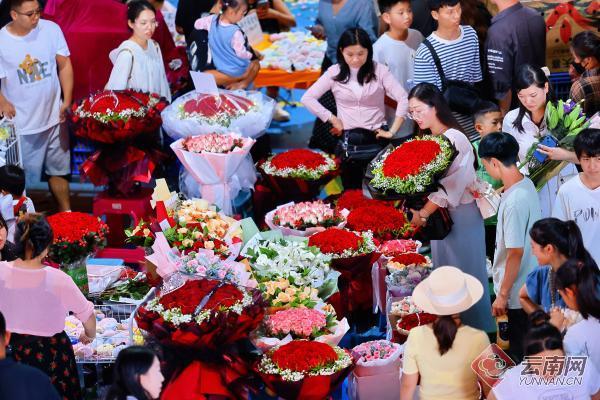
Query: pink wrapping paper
pixel 380 387
pixel 216 173
pixel 164 256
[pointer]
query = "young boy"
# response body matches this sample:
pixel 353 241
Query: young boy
pixel 579 198
pixel 396 48
pixel 13 203
pixel 519 210
pixel 486 120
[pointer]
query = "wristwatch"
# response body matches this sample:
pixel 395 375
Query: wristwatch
pixel 423 219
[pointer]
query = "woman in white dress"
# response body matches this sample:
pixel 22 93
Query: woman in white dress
pixel 464 246
pixel 528 123
pixel 138 62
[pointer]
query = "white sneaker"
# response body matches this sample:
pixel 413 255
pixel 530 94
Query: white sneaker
pixel 279 114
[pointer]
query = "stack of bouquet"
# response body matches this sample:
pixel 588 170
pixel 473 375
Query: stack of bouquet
pixel 377 371
pixel 77 236
pixel 218 163
pixel 403 315
pixel 406 271
pixel 298 174
pixel 565 120
pixel 123 126
pixel 201 325
pixel 305 218
pixel 353 254
pixel 196 113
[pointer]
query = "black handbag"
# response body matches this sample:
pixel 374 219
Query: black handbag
pixel 438 225
pixel 359 145
pixel 462 97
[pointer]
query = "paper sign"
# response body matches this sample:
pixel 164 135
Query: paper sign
pixel 251 27
pixel 204 83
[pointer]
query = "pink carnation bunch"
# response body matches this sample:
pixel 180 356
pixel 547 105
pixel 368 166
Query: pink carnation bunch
pixel 374 350
pixel 299 322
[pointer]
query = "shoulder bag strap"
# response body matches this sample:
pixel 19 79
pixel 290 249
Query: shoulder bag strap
pixel 438 63
pixel 132 61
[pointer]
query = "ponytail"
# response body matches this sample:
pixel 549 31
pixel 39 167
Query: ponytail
pixel 541 335
pixel 565 236
pixel 584 277
pixel 444 329
pixel 34 235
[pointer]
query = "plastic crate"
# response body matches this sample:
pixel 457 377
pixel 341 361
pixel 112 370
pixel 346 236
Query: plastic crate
pixel 79 153
pixel 561 85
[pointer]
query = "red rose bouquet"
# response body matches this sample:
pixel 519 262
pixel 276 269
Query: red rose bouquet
pixel 353 255
pixel 405 260
pixel 386 222
pixel 298 174
pixel 396 247
pixel 124 128
pixel 354 198
pixel 414 166
pixel 203 314
pixel 199 326
pixel 405 324
pixel 76 236
pixel 304 370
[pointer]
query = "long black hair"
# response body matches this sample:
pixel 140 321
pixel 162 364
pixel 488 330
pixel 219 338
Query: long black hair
pixel 33 235
pixel 541 335
pixel 527 76
pixel 135 8
pixel 130 364
pixel 586 44
pixel 585 278
pixel 565 236
pixel 352 37
pixel 444 329
pixel 429 94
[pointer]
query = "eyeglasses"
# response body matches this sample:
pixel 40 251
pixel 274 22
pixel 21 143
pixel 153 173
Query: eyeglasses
pixel 31 14
pixel 417 113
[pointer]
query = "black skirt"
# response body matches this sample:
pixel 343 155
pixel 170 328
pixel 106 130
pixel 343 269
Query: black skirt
pixel 54 356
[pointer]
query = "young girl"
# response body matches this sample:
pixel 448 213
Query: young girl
pixel 138 62
pixel 359 86
pixel 228 45
pixel 465 244
pixel 579 285
pixel 553 242
pixel 535 378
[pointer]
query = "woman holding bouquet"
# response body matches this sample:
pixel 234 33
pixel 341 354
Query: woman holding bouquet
pixel 359 86
pixel 138 62
pixel 528 123
pixel 35 300
pixel 465 244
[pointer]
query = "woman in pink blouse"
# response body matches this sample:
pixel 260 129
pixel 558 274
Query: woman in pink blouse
pixel 35 299
pixel 359 86
pixel 464 246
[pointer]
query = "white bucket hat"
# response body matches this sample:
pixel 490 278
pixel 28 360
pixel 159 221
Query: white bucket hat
pixel 447 291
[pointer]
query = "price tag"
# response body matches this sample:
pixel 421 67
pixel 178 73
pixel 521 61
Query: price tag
pixel 204 83
pixel 251 27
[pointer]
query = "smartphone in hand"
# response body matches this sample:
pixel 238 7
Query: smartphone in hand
pixel 548 141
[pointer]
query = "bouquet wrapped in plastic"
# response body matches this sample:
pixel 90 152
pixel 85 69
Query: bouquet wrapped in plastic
pixel 249 113
pixel 376 374
pixel 305 218
pixel 304 370
pixel 298 174
pixel 402 281
pixel 123 125
pixel 214 161
pixel 386 222
pixel 202 322
pixel 282 326
pixel 565 120
pixel 353 255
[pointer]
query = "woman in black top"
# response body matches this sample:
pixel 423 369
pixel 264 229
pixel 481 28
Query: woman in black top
pixel 8 250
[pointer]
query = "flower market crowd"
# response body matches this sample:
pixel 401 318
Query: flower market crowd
pixel 438 237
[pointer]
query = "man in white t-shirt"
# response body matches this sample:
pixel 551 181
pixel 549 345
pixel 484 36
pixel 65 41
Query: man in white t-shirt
pixel 34 67
pixel 579 198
